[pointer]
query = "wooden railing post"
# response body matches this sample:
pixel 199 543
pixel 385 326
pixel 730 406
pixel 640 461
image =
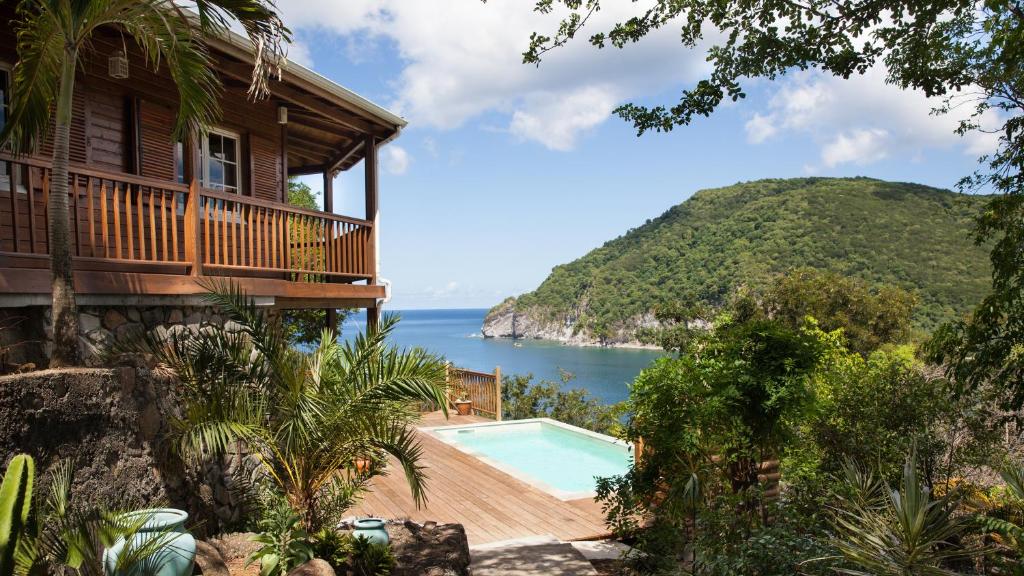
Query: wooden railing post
pixel 448 384
pixel 497 393
pixel 193 252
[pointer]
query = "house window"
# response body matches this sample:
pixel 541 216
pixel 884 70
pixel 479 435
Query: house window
pixel 221 151
pixel 179 162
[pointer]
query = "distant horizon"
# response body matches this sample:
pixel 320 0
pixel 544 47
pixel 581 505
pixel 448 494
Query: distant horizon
pixel 386 308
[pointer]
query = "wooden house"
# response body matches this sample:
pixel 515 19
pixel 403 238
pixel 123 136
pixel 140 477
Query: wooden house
pixel 151 215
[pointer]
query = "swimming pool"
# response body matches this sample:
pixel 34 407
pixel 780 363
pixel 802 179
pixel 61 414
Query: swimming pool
pixel 555 457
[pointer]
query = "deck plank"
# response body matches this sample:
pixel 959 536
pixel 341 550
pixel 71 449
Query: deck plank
pixel 490 504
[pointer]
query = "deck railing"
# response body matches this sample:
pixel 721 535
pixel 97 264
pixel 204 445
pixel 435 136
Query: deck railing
pixel 309 246
pixel 132 223
pixel 483 389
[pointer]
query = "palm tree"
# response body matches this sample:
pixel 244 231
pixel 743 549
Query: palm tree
pixel 54 34
pixel 319 423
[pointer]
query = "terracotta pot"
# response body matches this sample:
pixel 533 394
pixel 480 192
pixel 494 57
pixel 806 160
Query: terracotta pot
pixel 464 407
pixel 363 465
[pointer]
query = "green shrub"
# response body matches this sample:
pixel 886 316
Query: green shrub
pixel 371 559
pixel 790 544
pixel 333 547
pixel 522 398
pixel 284 544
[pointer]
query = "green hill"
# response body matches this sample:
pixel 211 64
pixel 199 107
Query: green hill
pixel 907 235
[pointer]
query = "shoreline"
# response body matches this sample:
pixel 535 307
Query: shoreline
pixel 613 345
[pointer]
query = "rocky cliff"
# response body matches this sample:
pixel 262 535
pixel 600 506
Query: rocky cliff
pixel 506 321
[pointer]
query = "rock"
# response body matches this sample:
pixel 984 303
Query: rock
pixel 88 322
pixel 152 316
pixel 128 330
pixel 112 319
pixel 210 561
pixel 234 545
pixel 315 567
pixel 134 315
pixel 101 337
pixel 175 317
pixel 432 549
pixel 232 326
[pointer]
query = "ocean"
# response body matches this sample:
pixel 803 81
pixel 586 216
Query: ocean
pixel 455 334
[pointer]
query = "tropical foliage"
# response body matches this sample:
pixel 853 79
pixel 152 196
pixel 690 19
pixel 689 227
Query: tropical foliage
pixel 307 417
pixel 45 530
pixel 284 544
pixel 750 386
pixel 907 237
pixel 894 532
pixel 521 398
pixel 306 325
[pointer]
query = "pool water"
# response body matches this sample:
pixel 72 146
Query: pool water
pixel 553 456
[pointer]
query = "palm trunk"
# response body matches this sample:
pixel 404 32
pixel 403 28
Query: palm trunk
pixel 65 312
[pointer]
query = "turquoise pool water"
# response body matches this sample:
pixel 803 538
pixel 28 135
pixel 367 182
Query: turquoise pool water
pixel 549 455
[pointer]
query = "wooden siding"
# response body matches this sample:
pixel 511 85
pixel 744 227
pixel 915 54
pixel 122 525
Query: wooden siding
pixel 266 167
pixel 157 123
pixel 107 140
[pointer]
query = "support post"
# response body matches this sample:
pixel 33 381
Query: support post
pixel 193 250
pixel 328 192
pixel 332 314
pixel 284 163
pixel 497 393
pixel 447 385
pixel 193 228
pixel 372 209
pixel 372 319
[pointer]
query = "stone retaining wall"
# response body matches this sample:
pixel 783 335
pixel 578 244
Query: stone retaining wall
pixel 112 424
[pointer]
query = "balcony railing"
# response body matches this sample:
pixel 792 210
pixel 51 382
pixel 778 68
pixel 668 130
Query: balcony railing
pixel 129 223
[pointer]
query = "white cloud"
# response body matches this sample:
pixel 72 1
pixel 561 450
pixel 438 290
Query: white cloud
pixel 298 52
pixel 462 59
pixel 760 128
pixel 862 120
pixel 857 146
pixel 557 119
pixel 396 159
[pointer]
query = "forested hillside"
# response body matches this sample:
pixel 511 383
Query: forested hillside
pixel 908 235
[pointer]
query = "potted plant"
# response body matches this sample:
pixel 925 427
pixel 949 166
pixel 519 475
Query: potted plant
pixel 463 405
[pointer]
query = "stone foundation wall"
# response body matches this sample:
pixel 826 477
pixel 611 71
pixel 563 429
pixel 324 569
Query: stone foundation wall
pixel 102 327
pixel 112 424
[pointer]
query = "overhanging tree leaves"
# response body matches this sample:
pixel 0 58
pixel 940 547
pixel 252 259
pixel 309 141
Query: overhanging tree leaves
pixel 964 53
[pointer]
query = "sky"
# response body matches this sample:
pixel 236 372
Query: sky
pixel 507 170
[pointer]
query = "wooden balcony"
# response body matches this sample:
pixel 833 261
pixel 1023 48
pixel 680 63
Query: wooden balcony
pixel 143 237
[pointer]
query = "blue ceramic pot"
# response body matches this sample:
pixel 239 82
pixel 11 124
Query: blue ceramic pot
pixel 372 529
pixel 176 548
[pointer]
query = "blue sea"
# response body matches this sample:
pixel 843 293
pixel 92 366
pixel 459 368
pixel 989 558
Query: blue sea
pixel 455 334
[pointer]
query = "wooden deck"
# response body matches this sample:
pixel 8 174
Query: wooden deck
pixel 492 505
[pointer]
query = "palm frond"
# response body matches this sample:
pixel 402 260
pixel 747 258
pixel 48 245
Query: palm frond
pixel 265 29
pixel 35 78
pixel 399 440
